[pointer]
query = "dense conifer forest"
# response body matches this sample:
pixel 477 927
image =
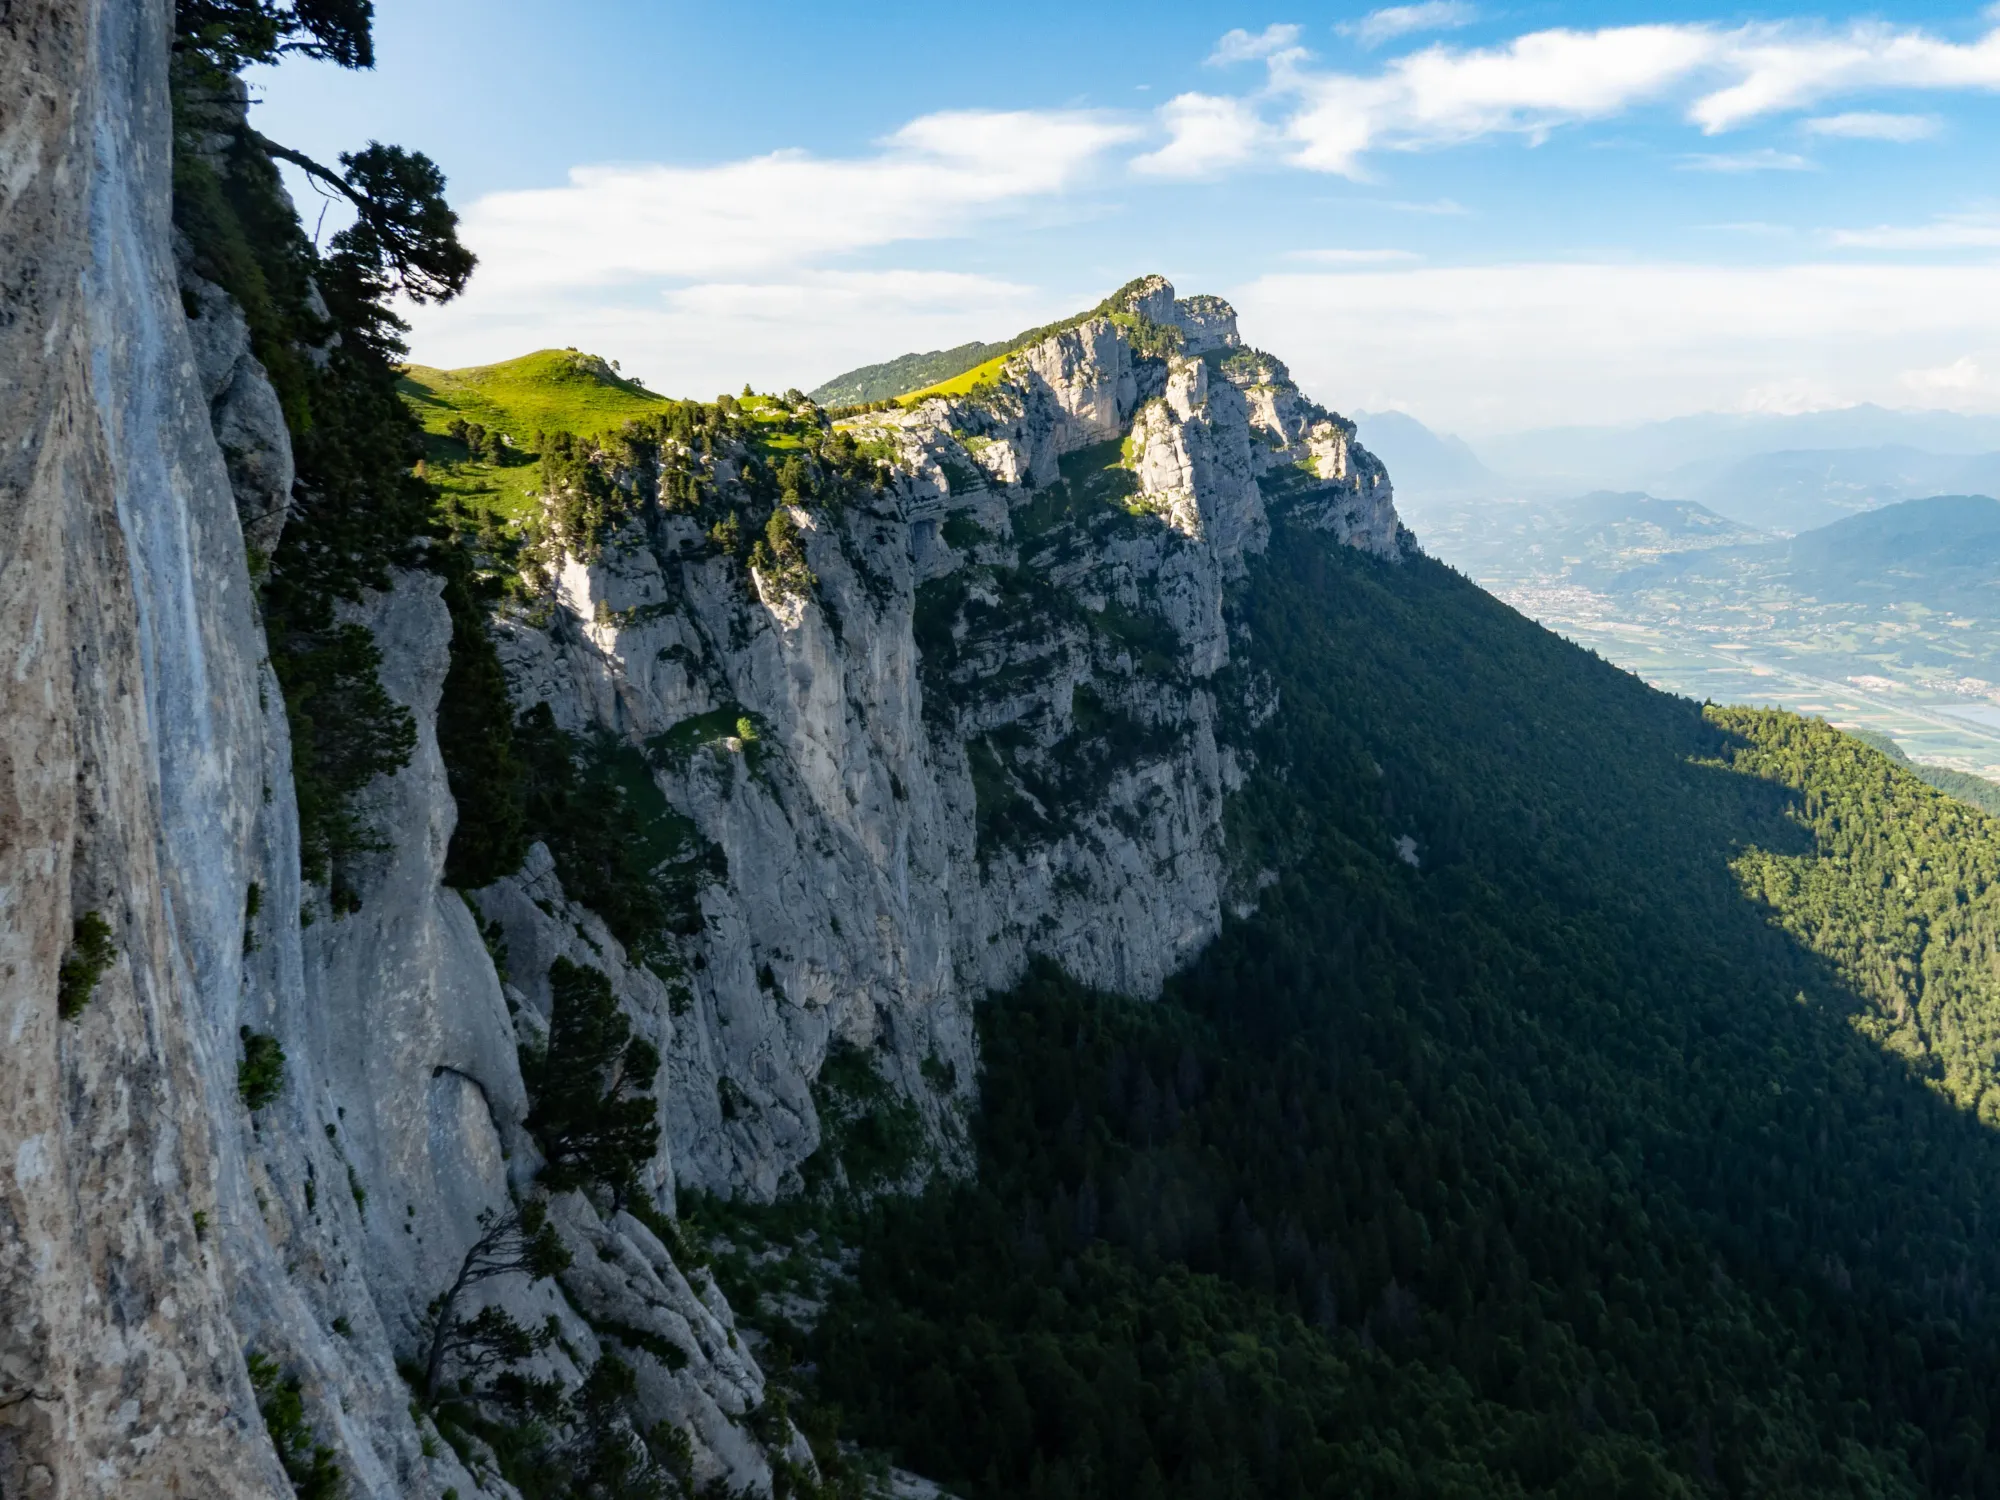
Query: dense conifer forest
pixel 1629 1141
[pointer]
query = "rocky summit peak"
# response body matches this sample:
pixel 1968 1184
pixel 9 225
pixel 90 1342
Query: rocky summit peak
pixel 1207 322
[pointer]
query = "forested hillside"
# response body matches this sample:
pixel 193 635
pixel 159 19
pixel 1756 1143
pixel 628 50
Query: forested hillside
pixel 1592 1105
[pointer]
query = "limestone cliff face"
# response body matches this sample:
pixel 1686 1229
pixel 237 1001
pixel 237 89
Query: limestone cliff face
pixel 987 731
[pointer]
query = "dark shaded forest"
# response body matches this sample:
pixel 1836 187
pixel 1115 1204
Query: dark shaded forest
pixel 1628 1143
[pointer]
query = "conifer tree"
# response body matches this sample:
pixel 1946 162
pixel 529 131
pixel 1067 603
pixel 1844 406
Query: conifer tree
pixel 594 1113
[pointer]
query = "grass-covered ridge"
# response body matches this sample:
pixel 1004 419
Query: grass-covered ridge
pixel 986 372
pixel 956 372
pixel 551 390
pixel 484 426
pixel 906 372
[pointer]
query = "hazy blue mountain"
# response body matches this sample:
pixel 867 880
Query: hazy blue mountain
pixel 1796 490
pixel 1938 550
pixel 1590 538
pixel 1700 447
pixel 1421 461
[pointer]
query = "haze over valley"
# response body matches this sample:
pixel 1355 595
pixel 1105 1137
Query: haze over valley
pixel 1859 582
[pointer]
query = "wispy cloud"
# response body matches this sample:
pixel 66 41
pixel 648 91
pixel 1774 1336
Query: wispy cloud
pixel 1206 134
pixel 1757 227
pixel 1761 160
pixel 1977 231
pixel 1963 376
pixel 1486 348
pixel 1244 46
pixel 1440 207
pixel 939 175
pixel 1869 125
pixel 1385 25
pixel 1352 257
pixel 1721 78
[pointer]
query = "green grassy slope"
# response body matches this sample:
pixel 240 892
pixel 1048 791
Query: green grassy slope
pixel 551 390
pixel 906 372
pixel 1634 1143
pixel 953 372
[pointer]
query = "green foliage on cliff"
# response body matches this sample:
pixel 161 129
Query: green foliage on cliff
pixel 591 1087
pixel 260 1074
pixel 1629 1144
pixel 870 1134
pixel 322 327
pixel 620 848
pixel 475 729
pixel 91 952
pixel 309 1464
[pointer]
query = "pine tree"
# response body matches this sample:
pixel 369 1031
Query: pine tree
pixel 520 1242
pixel 593 1114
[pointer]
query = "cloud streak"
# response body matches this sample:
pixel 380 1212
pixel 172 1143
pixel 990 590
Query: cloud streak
pixel 1385 25
pixel 1950 232
pixel 1868 125
pixel 1489 348
pixel 938 176
pixel 1719 78
pixel 1762 160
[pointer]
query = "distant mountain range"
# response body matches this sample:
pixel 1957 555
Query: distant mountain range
pixel 1595 539
pixel 1647 455
pixel 1420 460
pixel 1796 490
pixel 1776 474
pixel 1942 552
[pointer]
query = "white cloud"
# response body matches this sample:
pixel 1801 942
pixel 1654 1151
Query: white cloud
pixel 1868 125
pixel 1783 70
pixel 1439 96
pixel 1951 232
pixel 1441 207
pixel 1380 26
pixel 1961 377
pixel 1351 257
pixel 1543 80
pixel 1241 46
pixel 798 329
pixel 1762 160
pixel 1491 348
pixel 1206 134
pixel 940 175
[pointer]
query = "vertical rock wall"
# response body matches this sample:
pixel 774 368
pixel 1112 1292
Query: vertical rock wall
pixel 132 762
pixel 153 1231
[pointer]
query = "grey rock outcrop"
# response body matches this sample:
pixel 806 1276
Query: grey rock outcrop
pixel 987 732
pixel 867 898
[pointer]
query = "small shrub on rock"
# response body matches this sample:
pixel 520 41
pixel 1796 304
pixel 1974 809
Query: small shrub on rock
pixel 91 952
pixel 260 1076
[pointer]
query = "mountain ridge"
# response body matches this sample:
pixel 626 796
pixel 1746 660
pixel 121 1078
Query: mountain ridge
pixel 1028 934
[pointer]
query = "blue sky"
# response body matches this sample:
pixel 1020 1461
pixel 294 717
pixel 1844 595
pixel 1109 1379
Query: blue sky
pixel 1492 217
